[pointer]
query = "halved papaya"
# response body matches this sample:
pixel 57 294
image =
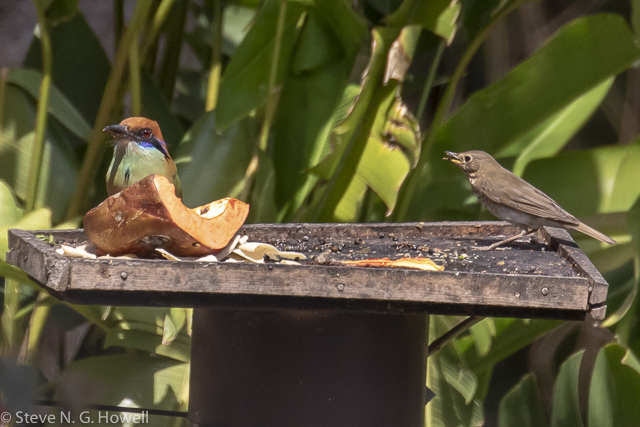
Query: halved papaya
pixel 148 215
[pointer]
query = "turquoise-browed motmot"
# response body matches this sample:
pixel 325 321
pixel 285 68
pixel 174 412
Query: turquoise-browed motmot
pixel 139 152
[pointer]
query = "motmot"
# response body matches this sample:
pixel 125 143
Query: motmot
pixel 139 151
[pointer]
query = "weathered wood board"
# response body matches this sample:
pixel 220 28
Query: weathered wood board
pixel 546 279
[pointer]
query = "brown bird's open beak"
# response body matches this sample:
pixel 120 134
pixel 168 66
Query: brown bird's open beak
pixel 117 130
pixel 452 157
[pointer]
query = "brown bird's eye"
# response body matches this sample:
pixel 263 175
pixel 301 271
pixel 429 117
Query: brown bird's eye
pixel 146 132
pixel 467 158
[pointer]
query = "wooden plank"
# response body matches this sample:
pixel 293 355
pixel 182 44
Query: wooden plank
pixel 38 259
pixel 526 280
pixel 560 240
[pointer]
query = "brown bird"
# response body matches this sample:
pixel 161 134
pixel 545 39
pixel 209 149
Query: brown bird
pixel 140 151
pixel 513 199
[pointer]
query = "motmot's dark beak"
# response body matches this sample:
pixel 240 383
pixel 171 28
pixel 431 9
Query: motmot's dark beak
pixel 117 130
pixel 452 157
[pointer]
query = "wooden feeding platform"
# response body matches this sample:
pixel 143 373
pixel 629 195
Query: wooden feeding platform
pixel 323 343
pixel 545 279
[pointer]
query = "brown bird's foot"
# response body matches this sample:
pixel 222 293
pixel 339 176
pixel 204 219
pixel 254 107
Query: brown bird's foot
pixel 502 242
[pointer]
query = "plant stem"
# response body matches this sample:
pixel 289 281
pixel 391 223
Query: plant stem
pixel 273 96
pixel 452 334
pixel 134 79
pixel 428 84
pixel 37 152
pixel 95 150
pixel 408 190
pixel 215 71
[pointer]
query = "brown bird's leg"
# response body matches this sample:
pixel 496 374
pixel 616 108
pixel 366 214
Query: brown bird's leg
pixel 502 242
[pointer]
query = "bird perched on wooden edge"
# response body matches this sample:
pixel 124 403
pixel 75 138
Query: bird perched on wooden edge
pixel 139 151
pixel 514 200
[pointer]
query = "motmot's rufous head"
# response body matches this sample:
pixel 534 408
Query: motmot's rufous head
pixel 139 130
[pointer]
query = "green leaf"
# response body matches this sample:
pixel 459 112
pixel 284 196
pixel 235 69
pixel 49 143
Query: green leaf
pixel 155 107
pixel 615 388
pixel 211 163
pixel 59 11
pixel 244 83
pixel 10 212
pixel 515 336
pixel 59 106
pixel 478 14
pixel 385 7
pixel 175 320
pixel 188 104
pixel 149 342
pixel 80 65
pixel 635 16
pixel 453 384
pixel 600 46
pixel 262 197
pixel 566 403
pixel 321 64
pixel 521 406
pixel 347 209
pixel 59 166
pixel 391 149
pixel 633 221
pixel 446 25
pixel 317 46
pixel 550 136
pixel 609 175
pixel 144 381
pixel 384 165
pixel 483 332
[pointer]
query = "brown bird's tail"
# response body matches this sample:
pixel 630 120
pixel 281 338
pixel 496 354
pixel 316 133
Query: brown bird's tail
pixel 592 232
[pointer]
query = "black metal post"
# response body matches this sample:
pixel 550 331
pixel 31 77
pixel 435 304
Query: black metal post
pixel 281 368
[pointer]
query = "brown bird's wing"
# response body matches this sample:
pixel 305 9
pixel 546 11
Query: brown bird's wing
pixel 519 194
